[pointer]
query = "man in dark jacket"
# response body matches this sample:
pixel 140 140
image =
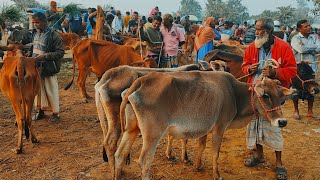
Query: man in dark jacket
pixel 47 50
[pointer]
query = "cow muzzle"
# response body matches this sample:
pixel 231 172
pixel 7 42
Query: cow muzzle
pixel 282 123
pixel 315 90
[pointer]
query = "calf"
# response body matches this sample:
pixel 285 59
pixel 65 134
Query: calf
pixel 306 85
pixel 108 99
pixel 174 103
pixel 20 82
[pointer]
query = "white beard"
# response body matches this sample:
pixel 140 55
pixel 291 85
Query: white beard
pixel 260 41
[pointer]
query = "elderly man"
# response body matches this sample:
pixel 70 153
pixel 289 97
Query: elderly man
pixel 203 42
pixel 153 37
pixel 172 38
pixel 260 131
pixel 53 16
pixel 305 46
pixel 48 51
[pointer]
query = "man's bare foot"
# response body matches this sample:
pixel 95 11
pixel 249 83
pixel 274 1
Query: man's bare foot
pixel 296 116
pixel 313 116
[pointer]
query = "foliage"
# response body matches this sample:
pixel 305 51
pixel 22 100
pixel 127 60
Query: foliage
pixel 190 7
pixel 10 14
pixel 232 10
pixel 71 9
pixel 286 16
pixel 23 4
pixel 316 10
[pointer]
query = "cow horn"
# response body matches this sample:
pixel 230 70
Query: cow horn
pixel 263 81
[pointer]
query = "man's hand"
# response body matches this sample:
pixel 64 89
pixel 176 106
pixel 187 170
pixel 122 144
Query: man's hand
pixel 40 57
pixel 268 72
pixel 253 68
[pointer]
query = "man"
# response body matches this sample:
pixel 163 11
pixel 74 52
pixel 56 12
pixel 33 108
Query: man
pixel 48 51
pixel 126 20
pixel 178 20
pixel 260 131
pixel 187 24
pixel 113 11
pixel 53 16
pixel 133 23
pixel 75 22
pixel 305 46
pixel 149 23
pixel 117 23
pixel 154 11
pixel 153 37
pixel 172 38
pixel 89 27
pixel 86 15
pixel 203 42
pixel 227 29
pixel 250 35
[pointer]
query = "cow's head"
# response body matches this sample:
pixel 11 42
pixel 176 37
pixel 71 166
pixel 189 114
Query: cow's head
pixel 305 79
pixel 148 62
pixel 14 45
pixel 219 65
pixel 266 98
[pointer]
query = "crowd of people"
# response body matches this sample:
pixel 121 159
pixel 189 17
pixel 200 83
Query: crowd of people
pixel 164 35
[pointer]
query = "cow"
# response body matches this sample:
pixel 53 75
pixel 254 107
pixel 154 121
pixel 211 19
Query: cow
pixel 233 61
pixel 238 49
pixel 306 87
pixel 108 98
pixel 136 45
pixel 20 82
pixel 70 40
pixel 98 56
pixel 20 35
pixel 174 103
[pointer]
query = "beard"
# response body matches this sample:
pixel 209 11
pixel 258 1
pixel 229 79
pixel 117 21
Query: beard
pixel 261 40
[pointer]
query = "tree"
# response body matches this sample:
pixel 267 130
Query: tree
pixel 286 16
pixel 22 4
pixel 190 7
pixel 232 10
pixel 316 10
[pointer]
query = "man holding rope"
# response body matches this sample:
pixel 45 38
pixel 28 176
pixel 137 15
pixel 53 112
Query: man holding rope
pixel 266 46
pixel 53 16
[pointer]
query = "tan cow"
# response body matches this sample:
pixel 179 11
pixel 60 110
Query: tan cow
pixel 174 103
pixel 20 82
pixel 70 40
pixel 99 56
pixel 108 98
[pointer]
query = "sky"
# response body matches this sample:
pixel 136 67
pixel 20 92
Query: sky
pixel 144 6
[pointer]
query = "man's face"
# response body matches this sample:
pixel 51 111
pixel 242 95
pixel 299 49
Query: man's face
pixel 305 28
pixel 39 25
pixel 262 36
pixel 156 24
pixel 135 16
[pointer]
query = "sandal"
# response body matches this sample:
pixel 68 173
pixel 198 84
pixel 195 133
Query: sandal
pixel 281 173
pixel 253 161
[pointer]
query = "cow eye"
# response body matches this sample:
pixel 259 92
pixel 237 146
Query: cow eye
pixel 265 96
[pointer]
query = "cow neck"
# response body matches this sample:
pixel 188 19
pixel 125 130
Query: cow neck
pixel 245 113
pixel 304 81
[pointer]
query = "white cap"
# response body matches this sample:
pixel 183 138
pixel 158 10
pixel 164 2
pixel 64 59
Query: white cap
pixel 276 23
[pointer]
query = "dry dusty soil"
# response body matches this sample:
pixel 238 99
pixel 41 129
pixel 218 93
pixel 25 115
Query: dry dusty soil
pixel 71 148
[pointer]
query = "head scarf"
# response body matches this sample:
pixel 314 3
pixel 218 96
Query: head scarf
pixel 53 9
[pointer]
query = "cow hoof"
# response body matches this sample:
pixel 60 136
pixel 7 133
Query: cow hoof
pixel 188 162
pixel 19 151
pixel 35 140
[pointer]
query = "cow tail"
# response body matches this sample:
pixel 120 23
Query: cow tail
pixel 73 72
pixel 124 102
pixel 21 84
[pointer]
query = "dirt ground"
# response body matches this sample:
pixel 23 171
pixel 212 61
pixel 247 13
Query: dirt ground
pixel 71 148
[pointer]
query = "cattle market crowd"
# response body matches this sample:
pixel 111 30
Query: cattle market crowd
pixel 266 64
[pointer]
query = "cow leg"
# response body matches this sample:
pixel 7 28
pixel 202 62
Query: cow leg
pixel 217 136
pixel 296 114
pixel 201 147
pixel 184 154
pixel 169 148
pixel 122 152
pixel 29 122
pixel 83 74
pixel 19 121
pixel 150 142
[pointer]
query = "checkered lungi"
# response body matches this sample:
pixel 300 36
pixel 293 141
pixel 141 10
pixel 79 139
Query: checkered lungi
pixel 260 131
pixel 169 62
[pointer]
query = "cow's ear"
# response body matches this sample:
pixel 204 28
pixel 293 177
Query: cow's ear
pixel 259 90
pixel 277 81
pixel 204 65
pixel 286 91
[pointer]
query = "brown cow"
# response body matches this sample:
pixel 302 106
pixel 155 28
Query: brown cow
pixel 70 40
pixel 108 98
pixel 20 82
pixel 98 56
pixel 174 103
pixel 238 49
